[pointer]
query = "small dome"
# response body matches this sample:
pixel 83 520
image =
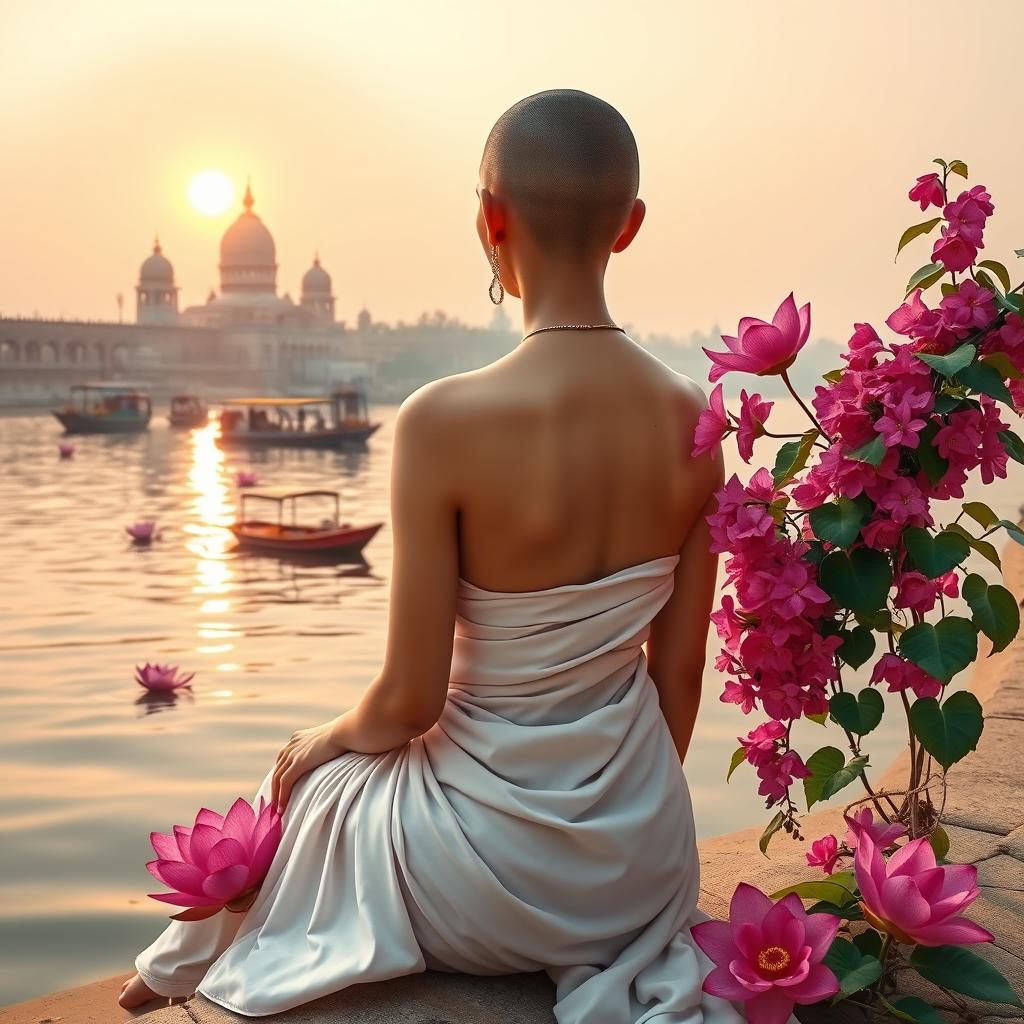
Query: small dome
pixel 247 242
pixel 316 280
pixel 156 268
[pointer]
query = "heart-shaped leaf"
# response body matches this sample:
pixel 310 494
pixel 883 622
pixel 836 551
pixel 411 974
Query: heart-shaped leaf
pixel 996 612
pixel 950 365
pixel 951 731
pixel 858 645
pixel 942 649
pixel 934 555
pixel 854 969
pixel 859 714
pixel 859 579
pixel 839 522
pixel 830 773
pixel 963 971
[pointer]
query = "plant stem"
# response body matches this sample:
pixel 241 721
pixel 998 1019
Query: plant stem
pixel 800 402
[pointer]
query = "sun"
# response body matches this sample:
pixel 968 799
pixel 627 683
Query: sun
pixel 210 192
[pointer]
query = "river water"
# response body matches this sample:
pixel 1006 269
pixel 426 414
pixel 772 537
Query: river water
pixel 90 766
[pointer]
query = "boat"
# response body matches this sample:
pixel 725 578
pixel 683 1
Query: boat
pixel 188 411
pixel 337 420
pixel 283 533
pixel 106 407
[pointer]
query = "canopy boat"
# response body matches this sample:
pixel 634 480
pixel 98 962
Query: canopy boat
pixel 106 408
pixel 330 421
pixel 289 536
pixel 188 411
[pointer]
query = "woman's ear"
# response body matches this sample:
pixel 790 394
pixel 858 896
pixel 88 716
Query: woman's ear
pixel 633 222
pixel 493 212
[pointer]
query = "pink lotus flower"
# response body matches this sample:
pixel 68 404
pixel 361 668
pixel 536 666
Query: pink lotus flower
pixel 66 449
pixel 768 956
pixel 883 834
pixel 712 424
pixel 219 862
pixel 763 348
pixel 913 899
pixel 824 854
pixel 162 677
pixel 928 191
pixel 246 478
pixel 142 532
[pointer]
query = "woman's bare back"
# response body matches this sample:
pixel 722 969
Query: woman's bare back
pixel 573 461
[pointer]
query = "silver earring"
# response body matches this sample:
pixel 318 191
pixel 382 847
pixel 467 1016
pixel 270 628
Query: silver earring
pixel 497 289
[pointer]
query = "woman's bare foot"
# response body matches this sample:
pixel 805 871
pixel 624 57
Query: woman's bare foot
pixel 135 992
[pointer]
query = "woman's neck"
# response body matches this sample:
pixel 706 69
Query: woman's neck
pixel 559 294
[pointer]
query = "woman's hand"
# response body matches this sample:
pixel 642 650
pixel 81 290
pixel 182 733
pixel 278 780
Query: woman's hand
pixel 306 750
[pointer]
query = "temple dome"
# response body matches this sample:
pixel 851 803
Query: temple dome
pixel 316 280
pixel 248 254
pixel 156 268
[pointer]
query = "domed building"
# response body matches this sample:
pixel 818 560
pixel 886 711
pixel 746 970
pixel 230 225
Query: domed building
pixel 156 296
pixel 316 296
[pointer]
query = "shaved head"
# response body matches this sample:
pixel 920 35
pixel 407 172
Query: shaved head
pixel 567 164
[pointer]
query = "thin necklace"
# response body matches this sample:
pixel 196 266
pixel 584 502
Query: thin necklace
pixel 574 327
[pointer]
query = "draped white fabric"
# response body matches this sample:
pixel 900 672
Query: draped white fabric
pixel 543 823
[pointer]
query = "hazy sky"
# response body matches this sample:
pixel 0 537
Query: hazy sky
pixel 777 143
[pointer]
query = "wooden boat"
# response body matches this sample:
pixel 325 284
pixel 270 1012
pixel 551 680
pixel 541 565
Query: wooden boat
pixel 337 420
pixel 106 408
pixel 188 411
pixel 293 537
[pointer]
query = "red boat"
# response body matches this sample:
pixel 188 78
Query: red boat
pixel 287 535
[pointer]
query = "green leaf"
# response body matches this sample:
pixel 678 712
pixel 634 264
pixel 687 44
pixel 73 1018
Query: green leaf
pixel 996 612
pixel 1010 303
pixel 854 969
pixel 981 513
pixel 945 403
pixel 818 719
pixel 771 828
pixel 839 522
pixel 939 838
pixel 962 971
pixel 792 457
pixel 952 364
pixel 934 555
pixel 942 649
pixel 858 645
pixel 950 732
pixel 1000 271
pixel 931 462
pixel 958 167
pixel 925 277
pixel 859 580
pixel 1013 529
pixel 872 453
pixel 983 547
pixel 868 941
pixel 912 1009
pixel 738 757
pixel 986 380
pixel 1000 362
pixel 986 282
pixel 913 232
pixel 942 163
pixel 830 773
pixel 1019 253
pixel 833 376
pixel 1013 444
pixel 825 889
pixel 859 714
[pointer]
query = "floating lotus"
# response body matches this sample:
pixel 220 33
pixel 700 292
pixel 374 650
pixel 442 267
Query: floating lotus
pixel 66 449
pixel 246 478
pixel 142 532
pixel 217 864
pixel 162 677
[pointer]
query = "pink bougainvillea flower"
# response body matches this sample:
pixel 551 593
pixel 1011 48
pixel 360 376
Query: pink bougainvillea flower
pixel 902 675
pixel 761 743
pixel 246 478
pixel 967 214
pixel 768 956
pixel 753 416
pixel 762 348
pixel 219 862
pixel 915 319
pixel 162 677
pixel 954 251
pixel 913 899
pixel 824 854
pixel 900 423
pixel 970 306
pixel 882 833
pixel 777 776
pixel 66 449
pixel 143 531
pixel 712 424
pixel 928 191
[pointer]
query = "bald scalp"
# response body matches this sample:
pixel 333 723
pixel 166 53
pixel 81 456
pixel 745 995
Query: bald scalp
pixel 567 164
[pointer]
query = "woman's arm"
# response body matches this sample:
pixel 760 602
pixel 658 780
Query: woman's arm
pixel 677 643
pixel 408 694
